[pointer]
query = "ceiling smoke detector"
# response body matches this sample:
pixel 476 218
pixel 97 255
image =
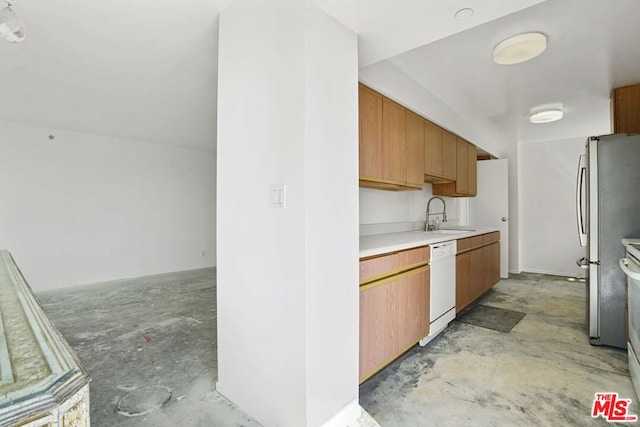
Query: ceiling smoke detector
pixel 464 14
pixel 11 27
pixel 520 48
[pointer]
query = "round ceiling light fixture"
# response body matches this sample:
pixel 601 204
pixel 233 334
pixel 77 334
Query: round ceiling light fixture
pixel 520 48
pixel 11 27
pixel 546 113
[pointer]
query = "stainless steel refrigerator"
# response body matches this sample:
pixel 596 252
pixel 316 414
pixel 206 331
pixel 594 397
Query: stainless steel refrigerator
pixel 608 209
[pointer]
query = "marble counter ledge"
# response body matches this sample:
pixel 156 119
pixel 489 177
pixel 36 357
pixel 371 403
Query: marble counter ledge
pixel 377 244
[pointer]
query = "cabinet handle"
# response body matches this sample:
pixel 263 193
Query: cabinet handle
pixel 505 219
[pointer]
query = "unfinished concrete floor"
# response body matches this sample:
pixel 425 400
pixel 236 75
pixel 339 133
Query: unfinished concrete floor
pixel 543 372
pixel 149 345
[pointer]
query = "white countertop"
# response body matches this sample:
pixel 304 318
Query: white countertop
pixel 377 244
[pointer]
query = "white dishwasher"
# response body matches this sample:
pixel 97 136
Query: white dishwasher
pixel 442 306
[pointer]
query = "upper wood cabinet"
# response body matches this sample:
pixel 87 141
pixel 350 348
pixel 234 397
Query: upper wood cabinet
pixel 472 168
pixel 449 156
pixel 370 133
pixel 626 109
pixel 462 175
pixel 415 147
pixel 394 150
pixel 387 159
pixel 465 184
pixel 432 151
pixel 399 150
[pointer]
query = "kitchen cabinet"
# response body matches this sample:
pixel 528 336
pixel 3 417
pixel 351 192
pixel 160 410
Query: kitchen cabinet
pixel 626 109
pixel 379 317
pixel 399 150
pixel 413 323
pixel 462 175
pixel 465 184
pixel 391 144
pixel 463 278
pixel 440 154
pixel 415 148
pixel 432 152
pixel 370 132
pixel 477 267
pixel 394 306
pixel 449 156
pixel 472 169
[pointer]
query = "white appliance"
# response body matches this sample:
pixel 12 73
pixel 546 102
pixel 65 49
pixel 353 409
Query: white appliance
pixel 631 266
pixel 442 306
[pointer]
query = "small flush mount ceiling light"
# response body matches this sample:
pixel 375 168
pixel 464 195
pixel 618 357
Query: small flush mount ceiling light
pixel 520 48
pixel 546 113
pixel 11 27
pixel 464 14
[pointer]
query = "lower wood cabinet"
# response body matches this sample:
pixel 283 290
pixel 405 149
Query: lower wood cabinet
pixel 413 308
pixel 477 267
pixel 379 319
pixel 394 309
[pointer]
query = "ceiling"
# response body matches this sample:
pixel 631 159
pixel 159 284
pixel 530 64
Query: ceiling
pixel 143 70
pixel 147 70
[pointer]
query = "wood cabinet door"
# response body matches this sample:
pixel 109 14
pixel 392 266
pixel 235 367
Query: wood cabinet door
pixel 477 273
pixel 432 150
pixel 626 109
pixel 495 263
pixel 462 176
pixel 472 167
pixel 487 271
pixel 378 327
pixel 370 133
pixel 393 136
pixel 413 307
pixel 414 140
pixel 449 155
pixel 463 281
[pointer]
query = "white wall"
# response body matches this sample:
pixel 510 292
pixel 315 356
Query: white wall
pixel 332 245
pixel 85 208
pixel 287 278
pixel 549 239
pixel 381 206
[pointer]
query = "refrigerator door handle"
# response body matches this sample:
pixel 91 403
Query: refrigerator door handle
pixel 580 200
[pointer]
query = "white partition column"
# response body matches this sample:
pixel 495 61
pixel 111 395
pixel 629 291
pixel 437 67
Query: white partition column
pixel 287 214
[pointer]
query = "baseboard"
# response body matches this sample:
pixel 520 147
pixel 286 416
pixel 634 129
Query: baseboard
pixel 549 272
pixel 347 416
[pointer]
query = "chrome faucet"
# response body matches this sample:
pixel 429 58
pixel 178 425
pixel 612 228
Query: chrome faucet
pixel 432 227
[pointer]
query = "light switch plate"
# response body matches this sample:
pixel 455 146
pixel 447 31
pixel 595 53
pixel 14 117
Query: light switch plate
pixel 278 196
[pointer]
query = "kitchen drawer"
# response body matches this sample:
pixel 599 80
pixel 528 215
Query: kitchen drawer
pixel 469 243
pixel 489 238
pixel 380 266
